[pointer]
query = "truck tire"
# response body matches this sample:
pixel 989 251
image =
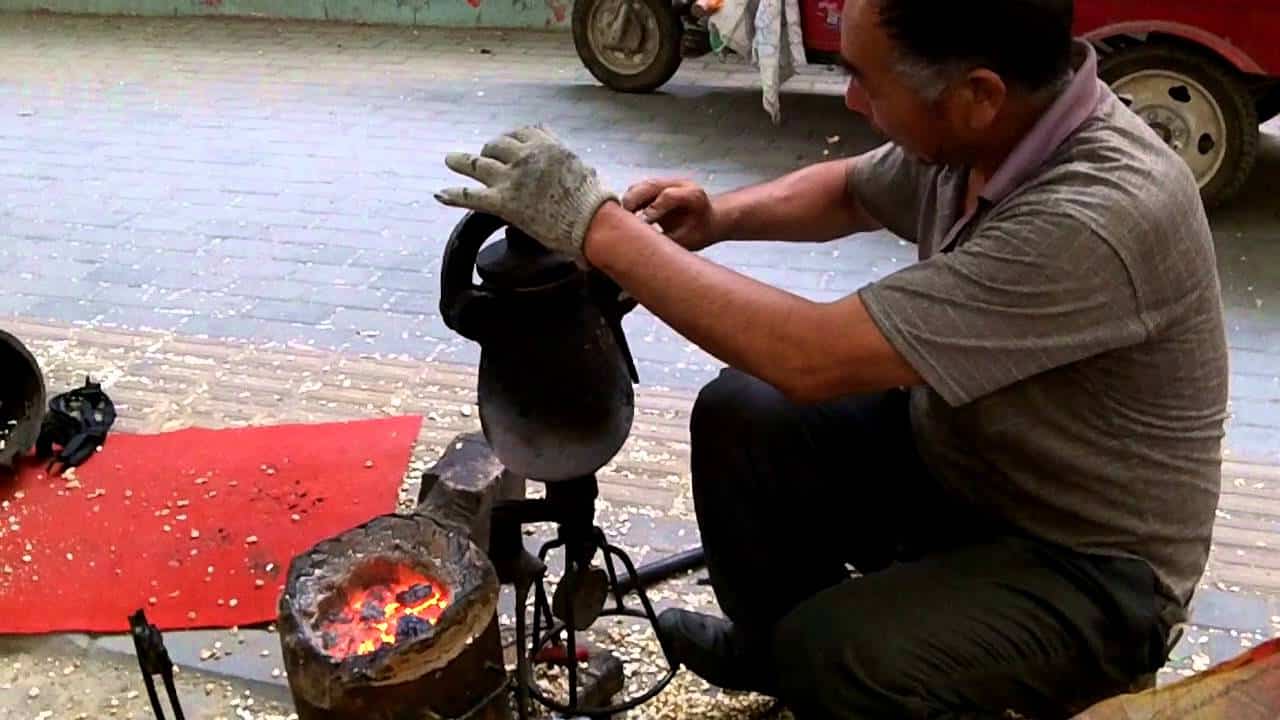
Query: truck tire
pixel 1197 105
pixel 643 56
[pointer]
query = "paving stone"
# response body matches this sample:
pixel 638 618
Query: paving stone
pixel 196 302
pixel 69 309
pixel 1256 443
pixel 68 282
pixel 219 327
pixel 244 662
pixel 373 323
pixel 131 276
pixel 253 268
pixel 290 312
pixel 663 352
pixel 1230 611
pixel 1254 362
pixel 395 260
pixel 324 274
pixel 1222 647
pixel 289 333
pixel 1186 646
pixel 1256 387
pixel 12 303
pixel 141 318
pixel 66 251
pixel 425 302
pixel 666 535
pixel 278 289
pixel 25 227
pixel 342 296
pixel 462 353
pixel 417 281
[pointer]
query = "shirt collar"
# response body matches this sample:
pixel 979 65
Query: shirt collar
pixel 1075 105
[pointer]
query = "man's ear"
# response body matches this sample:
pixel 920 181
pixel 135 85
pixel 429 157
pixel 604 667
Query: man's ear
pixel 986 94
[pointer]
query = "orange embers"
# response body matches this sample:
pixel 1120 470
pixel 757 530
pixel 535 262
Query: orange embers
pixel 385 614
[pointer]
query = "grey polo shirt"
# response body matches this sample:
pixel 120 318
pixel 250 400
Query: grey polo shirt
pixel 1069 332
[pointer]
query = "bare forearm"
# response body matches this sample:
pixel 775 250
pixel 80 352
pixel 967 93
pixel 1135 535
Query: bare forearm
pixel 809 205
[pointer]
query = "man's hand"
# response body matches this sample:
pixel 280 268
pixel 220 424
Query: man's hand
pixel 533 182
pixel 681 208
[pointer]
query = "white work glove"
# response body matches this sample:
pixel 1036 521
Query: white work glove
pixel 532 181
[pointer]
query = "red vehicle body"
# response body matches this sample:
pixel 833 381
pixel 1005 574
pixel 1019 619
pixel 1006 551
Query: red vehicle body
pixel 1244 33
pixel 1203 75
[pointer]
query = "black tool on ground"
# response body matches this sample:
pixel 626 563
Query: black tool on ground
pixel 556 403
pixel 661 569
pixel 76 425
pixel 154 660
pixel 22 400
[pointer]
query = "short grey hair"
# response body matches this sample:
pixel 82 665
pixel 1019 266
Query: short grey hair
pixel 929 80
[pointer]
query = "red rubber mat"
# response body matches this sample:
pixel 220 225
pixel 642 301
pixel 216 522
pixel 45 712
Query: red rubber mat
pixel 197 527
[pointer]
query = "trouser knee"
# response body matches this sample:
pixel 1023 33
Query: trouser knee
pixel 821 674
pixel 728 413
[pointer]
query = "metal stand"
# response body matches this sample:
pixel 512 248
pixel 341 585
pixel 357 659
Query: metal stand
pixel 580 596
pixel 154 660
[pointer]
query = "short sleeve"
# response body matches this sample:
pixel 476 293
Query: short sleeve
pixel 889 186
pixel 1023 296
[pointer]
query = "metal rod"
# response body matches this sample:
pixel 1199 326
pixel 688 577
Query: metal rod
pixel 523 676
pixel 172 690
pixel 654 572
pixel 571 578
pixel 153 697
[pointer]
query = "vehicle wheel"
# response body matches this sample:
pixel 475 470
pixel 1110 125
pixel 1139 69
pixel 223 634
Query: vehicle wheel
pixel 628 45
pixel 1198 106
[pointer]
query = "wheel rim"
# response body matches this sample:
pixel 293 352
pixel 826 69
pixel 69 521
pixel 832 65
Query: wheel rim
pixel 624 35
pixel 1183 113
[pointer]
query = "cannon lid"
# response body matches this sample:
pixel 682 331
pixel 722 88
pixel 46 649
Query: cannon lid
pixel 22 399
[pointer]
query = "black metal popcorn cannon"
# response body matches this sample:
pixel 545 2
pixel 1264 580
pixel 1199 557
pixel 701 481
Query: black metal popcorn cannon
pixel 556 399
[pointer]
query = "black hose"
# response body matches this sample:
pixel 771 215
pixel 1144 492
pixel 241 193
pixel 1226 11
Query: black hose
pixel 654 572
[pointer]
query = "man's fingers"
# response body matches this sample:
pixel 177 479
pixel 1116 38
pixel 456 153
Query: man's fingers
pixel 504 149
pixel 469 198
pixel 672 198
pixel 486 170
pixel 642 193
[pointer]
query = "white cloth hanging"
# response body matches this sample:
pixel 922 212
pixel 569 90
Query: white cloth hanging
pixel 768 33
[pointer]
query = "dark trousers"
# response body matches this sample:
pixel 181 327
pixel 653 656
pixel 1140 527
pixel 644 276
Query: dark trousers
pixel 949 614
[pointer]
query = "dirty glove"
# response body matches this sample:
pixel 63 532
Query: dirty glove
pixel 533 182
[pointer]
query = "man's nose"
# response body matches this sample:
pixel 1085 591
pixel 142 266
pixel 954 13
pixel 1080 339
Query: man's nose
pixel 856 99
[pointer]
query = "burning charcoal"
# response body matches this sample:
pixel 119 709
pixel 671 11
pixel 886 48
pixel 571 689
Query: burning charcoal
pixel 415 594
pixel 328 639
pixel 410 627
pixel 371 611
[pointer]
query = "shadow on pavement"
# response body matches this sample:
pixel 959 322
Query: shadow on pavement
pixel 733 120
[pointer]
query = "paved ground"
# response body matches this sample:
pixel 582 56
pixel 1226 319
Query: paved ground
pixel 274 182
pixel 164 381
pixel 271 183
